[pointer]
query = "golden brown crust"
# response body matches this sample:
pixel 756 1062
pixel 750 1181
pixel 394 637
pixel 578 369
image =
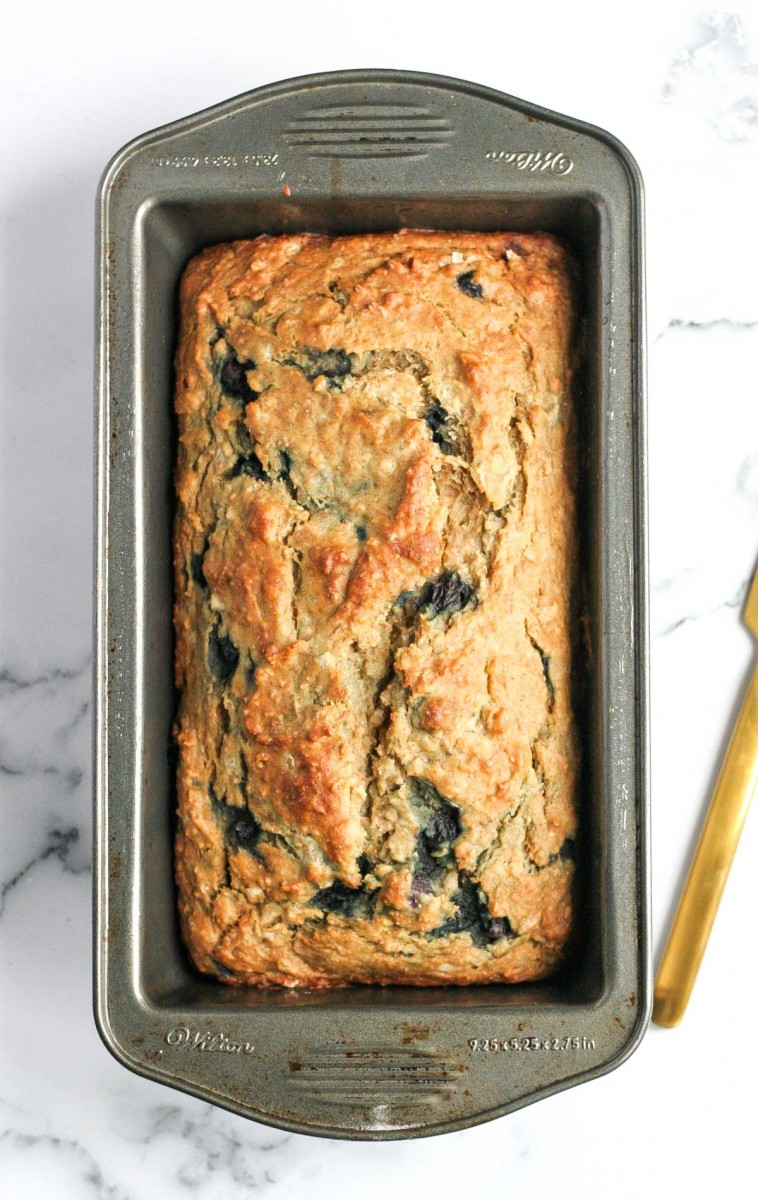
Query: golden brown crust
pixel 375 556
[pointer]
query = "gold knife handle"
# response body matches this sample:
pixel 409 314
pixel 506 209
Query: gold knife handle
pixel 710 867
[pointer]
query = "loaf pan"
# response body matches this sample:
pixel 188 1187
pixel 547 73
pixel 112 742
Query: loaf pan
pixel 353 152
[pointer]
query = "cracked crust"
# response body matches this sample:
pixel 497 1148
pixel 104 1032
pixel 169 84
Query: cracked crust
pixel 375 559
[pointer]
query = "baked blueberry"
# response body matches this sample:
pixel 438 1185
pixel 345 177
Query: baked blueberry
pixel 243 830
pixel 233 379
pixel 567 852
pixel 223 656
pixel 437 421
pixel 196 570
pixel 341 899
pixel 447 594
pixel 472 916
pixel 248 464
pixel 469 286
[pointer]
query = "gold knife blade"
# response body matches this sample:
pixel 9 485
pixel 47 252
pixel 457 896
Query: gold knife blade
pixel 715 850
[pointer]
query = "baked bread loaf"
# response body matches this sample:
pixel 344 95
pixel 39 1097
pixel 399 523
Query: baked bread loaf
pixel 375 556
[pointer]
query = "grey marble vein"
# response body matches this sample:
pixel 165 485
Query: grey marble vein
pixel 11 681
pixel 44 770
pixel 733 602
pixel 746 481
pixel 209 1143
pixel 86 1166
pixel 726 323
pixel 58 846
pixel 68 777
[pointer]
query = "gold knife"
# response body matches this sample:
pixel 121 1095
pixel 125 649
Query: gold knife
pixel 715 850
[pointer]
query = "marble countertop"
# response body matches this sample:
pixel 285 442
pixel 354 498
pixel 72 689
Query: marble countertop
pixel 678 85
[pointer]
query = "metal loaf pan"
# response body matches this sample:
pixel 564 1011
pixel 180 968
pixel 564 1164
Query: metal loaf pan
pixel 352 152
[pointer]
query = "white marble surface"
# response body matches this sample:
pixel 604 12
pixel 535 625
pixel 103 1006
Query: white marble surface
pixel 679 85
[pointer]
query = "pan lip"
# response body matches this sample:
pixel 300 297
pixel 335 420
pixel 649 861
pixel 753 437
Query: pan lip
pixel 116 1048
pixel 358 75
pixel 105 1021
